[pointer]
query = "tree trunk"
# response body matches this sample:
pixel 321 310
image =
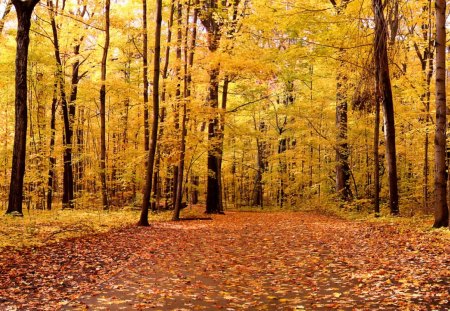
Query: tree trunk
pixel 155 185
pixel 103 109
pixel 154 134
pixel 385 92
pixel 145 74
pixel 441 212
pixel 376 156
pixel 67 200
pixel 213 186
pixel 342 149
pixel 52 159
pixel 24 9
pixel 188 63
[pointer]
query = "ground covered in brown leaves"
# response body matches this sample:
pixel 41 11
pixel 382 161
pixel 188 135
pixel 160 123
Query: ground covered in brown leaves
pixel 238 261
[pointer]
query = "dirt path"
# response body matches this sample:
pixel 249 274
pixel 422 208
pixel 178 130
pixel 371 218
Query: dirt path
pixel 240 261
pixel 280 261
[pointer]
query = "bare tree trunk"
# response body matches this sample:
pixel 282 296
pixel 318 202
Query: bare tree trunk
pixel 441 212
pixel 145 74
pixel 176 107
pixel 24 9
pixel 188 63
pixel 385 91
pixel 67 201
pixel 342 148
pixel 52 159
pixel 103 108
pixel 143 221
pixel 156 184
pixel 376 156
pixel 213 186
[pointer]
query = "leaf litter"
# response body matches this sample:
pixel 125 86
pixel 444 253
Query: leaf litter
pixel 238 261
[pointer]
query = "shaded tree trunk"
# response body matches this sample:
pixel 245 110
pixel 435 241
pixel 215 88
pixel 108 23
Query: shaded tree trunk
pixel 67 200
pixel 145 74
pixel 24 9
pixel 52 159
pixel 342 149
pixel 441 212
pixel 103 108
pixel 156 185
pixel 376 156
pixel 143 221
pixel 385 93
pixel 188 63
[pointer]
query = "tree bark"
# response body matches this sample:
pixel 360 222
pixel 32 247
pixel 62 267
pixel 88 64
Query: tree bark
pixel 24 9
pixel 213 185
pixel 342 150
pixel 376 156
pixel 156 188
pixel 145 74
pixel 441 212
pixel 385 92
pixel 154 134
pixel 67 200
pixel 103 108
pixel 52 159
pixel 188 63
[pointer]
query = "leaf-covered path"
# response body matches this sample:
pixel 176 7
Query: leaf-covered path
pixel 252 261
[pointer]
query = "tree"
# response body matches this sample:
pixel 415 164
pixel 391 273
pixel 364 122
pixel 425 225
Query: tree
pixel 103 108
pixel 188 63
pixel 441 213
pixel 342 149
pixel 68 115
pixel 145 73
pixel 143 221
pixel 24 9
pixel 384 91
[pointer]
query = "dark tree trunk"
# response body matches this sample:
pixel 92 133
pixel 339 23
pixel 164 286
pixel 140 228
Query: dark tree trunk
pixel 188 63
pixel 145 74
pixel 67 200
pixel 155 184
pixel 342 149
pixel 376 156
pixel 441 212
pixel 226 83
pixel 143 221
pixel 385 92
pixel 176 107
pixel 52 159
pixel 213 28
pixel 24 9
pixel 213 185
pixel 103 109
pixel 261 166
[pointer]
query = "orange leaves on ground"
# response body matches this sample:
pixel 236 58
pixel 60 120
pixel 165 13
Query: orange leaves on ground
pixel 253 261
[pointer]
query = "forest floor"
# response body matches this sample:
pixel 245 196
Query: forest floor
pixel 237 261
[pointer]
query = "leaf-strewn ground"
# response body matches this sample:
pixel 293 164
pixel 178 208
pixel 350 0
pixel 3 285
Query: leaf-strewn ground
pixel 253 261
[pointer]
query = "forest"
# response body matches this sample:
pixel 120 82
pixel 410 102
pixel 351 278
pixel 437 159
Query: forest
pixel 122 115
